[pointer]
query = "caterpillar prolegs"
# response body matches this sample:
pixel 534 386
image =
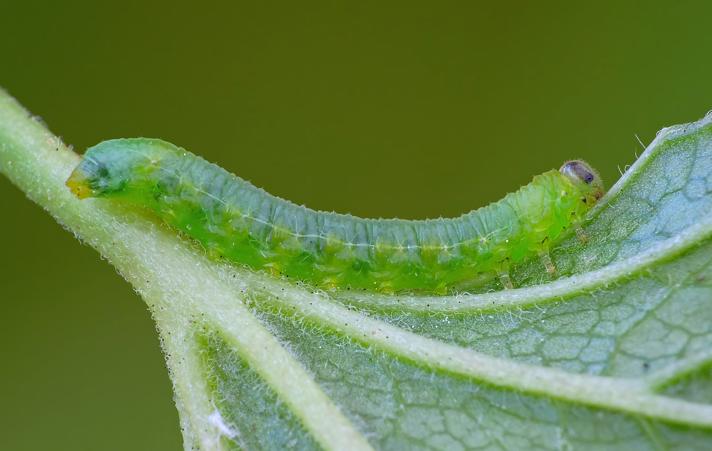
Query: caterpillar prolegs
pixel 244 224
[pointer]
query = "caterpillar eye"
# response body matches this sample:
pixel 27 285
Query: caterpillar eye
pixel 578 171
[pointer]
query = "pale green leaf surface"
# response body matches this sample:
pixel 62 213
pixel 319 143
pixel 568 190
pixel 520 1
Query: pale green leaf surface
pixel 614 353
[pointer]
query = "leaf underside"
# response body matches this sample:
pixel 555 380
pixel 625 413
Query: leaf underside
pixel 614 352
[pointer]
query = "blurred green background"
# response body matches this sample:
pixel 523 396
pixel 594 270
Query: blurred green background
pixel 410 109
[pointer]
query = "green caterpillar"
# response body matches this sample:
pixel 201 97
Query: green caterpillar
pixel 235 220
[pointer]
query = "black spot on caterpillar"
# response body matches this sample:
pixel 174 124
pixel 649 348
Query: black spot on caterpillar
pixel 236 221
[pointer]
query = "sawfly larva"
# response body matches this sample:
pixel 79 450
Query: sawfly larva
pixel 244 224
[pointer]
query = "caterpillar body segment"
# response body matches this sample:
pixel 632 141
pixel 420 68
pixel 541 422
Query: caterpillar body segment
pixel 244 224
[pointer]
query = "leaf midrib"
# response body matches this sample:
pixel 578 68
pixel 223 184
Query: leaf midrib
pixel 613 393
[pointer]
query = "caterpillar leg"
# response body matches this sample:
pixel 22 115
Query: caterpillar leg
pixel 548 264
pixel 506 280
pixel 581 234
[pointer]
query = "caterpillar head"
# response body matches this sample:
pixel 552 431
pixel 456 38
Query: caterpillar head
pixel 585 178
pixel 111 167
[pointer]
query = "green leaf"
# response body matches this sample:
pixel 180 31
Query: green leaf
pixel 615 353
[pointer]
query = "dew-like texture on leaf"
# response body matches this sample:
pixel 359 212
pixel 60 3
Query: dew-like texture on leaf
pixel 249 410
pixel 399 405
